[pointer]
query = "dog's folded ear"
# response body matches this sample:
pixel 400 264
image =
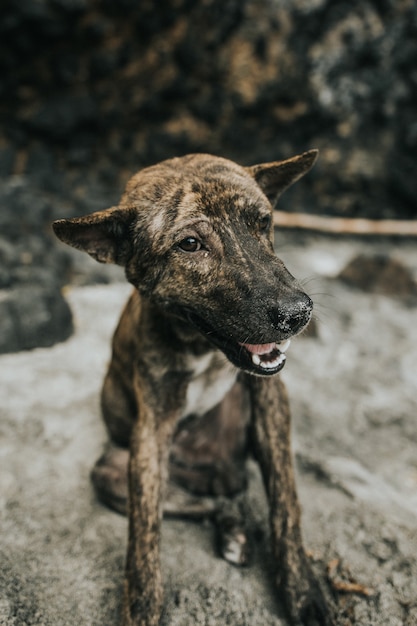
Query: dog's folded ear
pixel 274 178
pixel 105 235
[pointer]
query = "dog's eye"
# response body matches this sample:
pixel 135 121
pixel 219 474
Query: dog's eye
pixel 190 244
pixel 265 223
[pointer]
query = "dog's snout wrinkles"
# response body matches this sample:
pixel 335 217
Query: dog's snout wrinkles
pixel 292 315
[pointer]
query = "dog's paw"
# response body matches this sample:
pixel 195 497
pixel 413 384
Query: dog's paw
pixel 232 537
pixel 234 545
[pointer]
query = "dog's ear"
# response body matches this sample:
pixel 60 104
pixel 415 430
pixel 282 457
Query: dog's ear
pixel 274 178
pixel 105 235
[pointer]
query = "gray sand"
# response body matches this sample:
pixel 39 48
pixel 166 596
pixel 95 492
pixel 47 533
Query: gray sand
pixel 353 392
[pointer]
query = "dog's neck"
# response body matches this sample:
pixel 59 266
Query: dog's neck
pixel 174 331
pixel 172 335
pixel 174 345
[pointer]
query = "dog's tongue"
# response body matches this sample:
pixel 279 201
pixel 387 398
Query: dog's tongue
pixel 265 348
pixel 260 348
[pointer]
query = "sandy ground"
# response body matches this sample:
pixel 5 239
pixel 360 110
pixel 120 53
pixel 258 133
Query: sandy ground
pixel 353 392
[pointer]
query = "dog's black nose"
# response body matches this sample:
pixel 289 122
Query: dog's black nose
pixel 292 315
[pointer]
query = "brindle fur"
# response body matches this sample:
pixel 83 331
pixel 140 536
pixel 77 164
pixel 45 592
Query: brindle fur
pixel 195 237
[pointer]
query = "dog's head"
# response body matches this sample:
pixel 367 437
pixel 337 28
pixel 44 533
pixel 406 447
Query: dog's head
pixel 195 235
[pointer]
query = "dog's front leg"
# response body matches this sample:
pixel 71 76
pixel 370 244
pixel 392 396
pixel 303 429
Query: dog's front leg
pixel 270 438
pixel 150 439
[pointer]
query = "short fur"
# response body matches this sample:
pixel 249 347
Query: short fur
pixel 194 359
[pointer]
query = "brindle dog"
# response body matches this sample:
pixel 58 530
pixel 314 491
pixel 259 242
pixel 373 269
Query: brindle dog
pixel 194 360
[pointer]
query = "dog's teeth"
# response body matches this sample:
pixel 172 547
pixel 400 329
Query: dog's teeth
pixel 260 358
pixel 273 364
pixel 284 345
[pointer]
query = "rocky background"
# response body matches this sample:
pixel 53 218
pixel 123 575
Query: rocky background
pixel 92 90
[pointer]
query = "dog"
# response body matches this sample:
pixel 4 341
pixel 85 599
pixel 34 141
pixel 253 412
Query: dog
pixel 191 388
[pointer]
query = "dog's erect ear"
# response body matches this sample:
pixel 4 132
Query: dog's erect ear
pixel 274 178
pixel 105 235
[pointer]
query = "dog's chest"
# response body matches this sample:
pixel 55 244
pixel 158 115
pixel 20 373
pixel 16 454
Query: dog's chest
pixel 213 376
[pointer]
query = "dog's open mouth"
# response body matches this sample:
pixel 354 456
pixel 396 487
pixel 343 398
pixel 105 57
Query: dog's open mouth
pixel 270 357
pixel 264 359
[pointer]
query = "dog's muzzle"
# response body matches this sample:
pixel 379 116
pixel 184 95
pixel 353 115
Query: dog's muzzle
pixel 267 357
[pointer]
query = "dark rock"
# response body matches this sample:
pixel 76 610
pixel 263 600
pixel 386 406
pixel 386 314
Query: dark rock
pixel 7 158
pixel 379 274
pixel 60 116
pixel 252 80
pixel 24 208
pixel 31 317
pixel 40 166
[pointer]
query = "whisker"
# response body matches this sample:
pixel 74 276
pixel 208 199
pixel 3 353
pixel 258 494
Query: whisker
pixel 309 279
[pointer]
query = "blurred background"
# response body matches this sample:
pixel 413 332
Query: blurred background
pixel 92 90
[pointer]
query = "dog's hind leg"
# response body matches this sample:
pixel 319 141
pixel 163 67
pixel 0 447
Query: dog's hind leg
pixel 109 474
pixel 118 406
pixel 118 398
pixel 109 477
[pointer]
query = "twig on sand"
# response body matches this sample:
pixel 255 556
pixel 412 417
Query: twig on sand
pixel 337 578
pixel 345 225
